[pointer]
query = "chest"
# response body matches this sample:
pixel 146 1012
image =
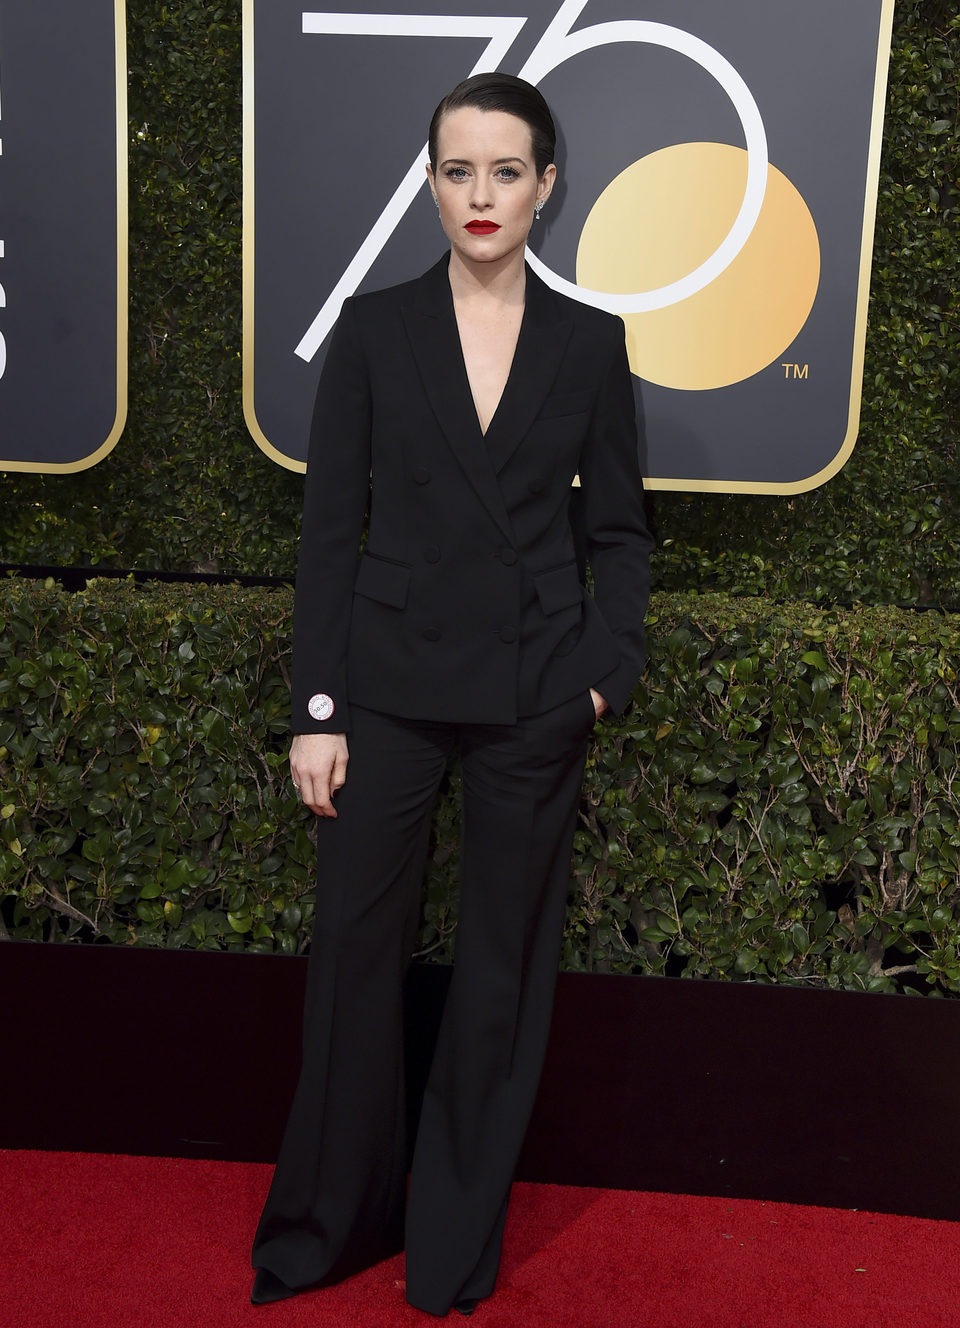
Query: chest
pixel 488 344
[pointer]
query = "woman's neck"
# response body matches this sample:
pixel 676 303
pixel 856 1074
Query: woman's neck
pixel 503 281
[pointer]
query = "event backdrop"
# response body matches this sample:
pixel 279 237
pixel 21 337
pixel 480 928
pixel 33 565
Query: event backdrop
pixel 718 172
pixel 63 232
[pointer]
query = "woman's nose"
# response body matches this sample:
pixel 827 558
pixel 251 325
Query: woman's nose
pixel 482 195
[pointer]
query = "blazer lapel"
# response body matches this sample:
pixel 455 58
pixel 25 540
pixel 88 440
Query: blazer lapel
pixel 432 328
pixel 544 334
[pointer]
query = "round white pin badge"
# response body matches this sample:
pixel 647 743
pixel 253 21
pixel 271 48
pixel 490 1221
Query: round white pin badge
pixel 320 706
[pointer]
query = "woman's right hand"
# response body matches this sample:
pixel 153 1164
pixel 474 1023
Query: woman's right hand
pixel 318 765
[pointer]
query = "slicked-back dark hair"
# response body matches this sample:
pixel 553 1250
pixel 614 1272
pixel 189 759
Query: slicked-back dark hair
pixel 502 92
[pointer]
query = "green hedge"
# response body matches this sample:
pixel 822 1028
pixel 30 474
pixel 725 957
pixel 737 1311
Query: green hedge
pixel 187 489
pixel 780 805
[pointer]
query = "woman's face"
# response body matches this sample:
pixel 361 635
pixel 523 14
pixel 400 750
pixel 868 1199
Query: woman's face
pixel 486 183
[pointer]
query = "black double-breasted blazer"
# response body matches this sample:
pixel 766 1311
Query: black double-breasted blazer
pixel 468 602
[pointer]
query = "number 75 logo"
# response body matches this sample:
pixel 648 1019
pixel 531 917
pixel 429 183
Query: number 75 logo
pixel 693 213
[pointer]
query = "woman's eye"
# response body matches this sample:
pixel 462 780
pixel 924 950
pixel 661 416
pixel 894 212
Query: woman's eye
pixel 507 173
pixel 455 173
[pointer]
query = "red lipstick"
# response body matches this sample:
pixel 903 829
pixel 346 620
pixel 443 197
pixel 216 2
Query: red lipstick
pixel 481 227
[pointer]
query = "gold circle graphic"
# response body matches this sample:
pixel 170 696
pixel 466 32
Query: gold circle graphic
pixel 664 216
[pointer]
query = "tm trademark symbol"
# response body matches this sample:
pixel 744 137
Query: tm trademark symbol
pixel 795 370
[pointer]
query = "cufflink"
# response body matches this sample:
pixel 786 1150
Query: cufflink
pixel 320 706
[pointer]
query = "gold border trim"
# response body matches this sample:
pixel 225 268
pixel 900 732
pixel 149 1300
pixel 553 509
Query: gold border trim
pixel 249 210
pixel 123 244
pixel 884 40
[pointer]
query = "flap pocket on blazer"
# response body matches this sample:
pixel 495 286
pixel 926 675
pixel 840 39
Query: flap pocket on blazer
pixel 565 403
pixel 558 588
pixel 386 582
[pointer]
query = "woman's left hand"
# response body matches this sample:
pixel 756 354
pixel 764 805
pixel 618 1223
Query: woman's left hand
pixel 599 704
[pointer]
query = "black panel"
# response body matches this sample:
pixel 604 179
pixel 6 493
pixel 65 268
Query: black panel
pixel 777 1093
pixel 58 226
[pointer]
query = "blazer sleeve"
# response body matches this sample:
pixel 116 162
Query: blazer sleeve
pixel 613 524
pixel 336 494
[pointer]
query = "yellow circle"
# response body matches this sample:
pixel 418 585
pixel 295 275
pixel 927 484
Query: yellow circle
pixel 664 216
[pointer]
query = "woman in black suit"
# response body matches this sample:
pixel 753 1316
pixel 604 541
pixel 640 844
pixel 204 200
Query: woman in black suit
pixel 455 412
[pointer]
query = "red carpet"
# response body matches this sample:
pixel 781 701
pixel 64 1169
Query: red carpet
pixel 91 1241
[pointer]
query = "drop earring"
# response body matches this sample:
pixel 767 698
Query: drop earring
pixel 536 209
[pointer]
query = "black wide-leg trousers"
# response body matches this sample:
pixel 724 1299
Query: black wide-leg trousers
pixel 337 1201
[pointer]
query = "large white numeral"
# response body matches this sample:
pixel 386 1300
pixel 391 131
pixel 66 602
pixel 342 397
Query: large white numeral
pixel 502 33
pixel 557 45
